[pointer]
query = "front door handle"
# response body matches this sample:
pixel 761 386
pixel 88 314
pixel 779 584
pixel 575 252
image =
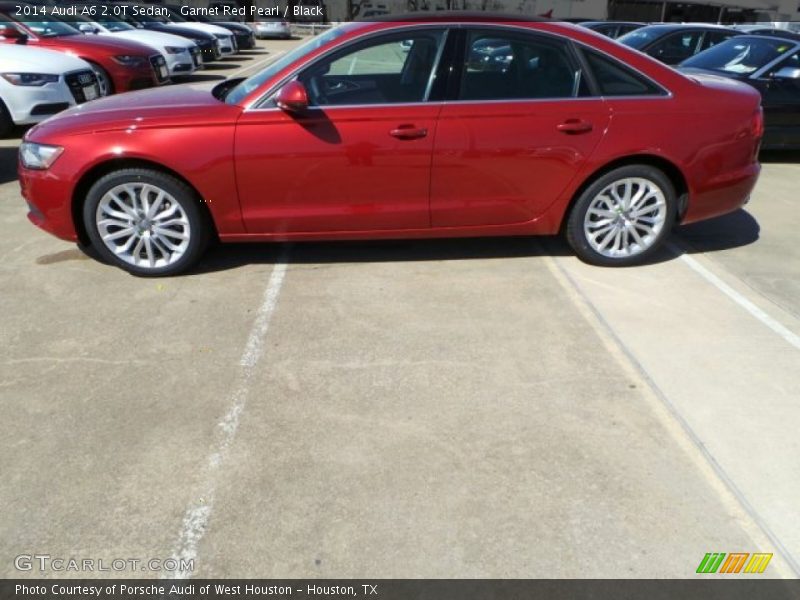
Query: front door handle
pixel 573 126
pixel 408 132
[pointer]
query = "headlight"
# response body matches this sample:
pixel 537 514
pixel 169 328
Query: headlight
pixel 174 49
pixel 130 61
pixel 29 79
pixel 38 156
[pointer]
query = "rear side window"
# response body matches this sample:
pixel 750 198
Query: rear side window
pixel 615 79
pixel 511 66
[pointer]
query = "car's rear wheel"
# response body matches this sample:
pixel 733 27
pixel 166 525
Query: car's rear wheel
pixel 622 217
pixel 146 222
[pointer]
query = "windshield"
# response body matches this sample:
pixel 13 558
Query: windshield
pixel 640 37
pixel 116 26
pixel 739 55
pixel 48 29
pixel 248 85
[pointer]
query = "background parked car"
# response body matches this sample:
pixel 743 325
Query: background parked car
pixel 771 65
pixel 209 45
pixel 272 28
pixel 612 29
pixel 673 43
pixel 245 38
pixel 182 55
pixel 120 65
pixel 36 83
pixel 227 40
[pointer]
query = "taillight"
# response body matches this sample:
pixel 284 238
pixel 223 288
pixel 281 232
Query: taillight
pixel 757 126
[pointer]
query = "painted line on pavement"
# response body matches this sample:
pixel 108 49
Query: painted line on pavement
pixel 198 513
pixel 791 337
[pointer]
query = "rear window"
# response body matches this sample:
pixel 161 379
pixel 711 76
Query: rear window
pixel 615 79
pixel 740 55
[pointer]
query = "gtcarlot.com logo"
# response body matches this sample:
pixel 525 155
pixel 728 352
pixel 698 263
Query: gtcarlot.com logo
pixel 736 562
pixel 46 562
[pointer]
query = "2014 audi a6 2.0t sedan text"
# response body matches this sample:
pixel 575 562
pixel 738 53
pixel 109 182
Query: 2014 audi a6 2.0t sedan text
pixel 387 130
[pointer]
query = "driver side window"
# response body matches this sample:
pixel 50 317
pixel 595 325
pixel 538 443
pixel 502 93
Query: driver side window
pixel 390 70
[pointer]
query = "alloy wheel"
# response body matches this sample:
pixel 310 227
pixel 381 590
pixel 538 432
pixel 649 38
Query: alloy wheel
pixel 143 225
pixel 625 218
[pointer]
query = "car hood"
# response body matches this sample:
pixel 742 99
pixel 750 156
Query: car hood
pixel 17 58
pixel 158 107
pixel 153 38
pixel 204 27
pixel 87 43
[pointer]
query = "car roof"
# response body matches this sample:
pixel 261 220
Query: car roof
pixel 611 23
pixel 687 26
pixel 792 37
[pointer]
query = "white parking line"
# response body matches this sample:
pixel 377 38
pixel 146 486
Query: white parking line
pixel 198 513
pixel 751 308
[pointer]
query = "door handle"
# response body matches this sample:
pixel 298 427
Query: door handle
pixel 573 126
pixel 408 132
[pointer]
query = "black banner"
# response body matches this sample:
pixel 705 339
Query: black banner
pixel 734 588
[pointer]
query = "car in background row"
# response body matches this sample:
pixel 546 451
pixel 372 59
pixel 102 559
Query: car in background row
pixel 209 44
pixel 771 65
pixel 245 39
pixel 35 84
pixel 578 134
pixel 182 55
pixel 674 43
pixel 272 28
pixel 612 29
pixel 227 40
pixel 120 65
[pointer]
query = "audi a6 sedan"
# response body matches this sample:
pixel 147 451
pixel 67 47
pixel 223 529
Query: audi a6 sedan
pixel 386 130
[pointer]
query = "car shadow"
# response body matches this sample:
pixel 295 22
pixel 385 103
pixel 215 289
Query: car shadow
pixel 8 164
pixel 729 231
pixel 196 78
pixel 253 52
pixel 221 66
pixel 723 233
pixel 779 156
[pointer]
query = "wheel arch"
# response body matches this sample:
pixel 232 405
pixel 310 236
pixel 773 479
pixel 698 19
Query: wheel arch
pixel 670 169
pixel 89 178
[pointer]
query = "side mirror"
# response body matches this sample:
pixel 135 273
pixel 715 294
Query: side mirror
pixel 12 33
pixel 787 73
pixel 292 97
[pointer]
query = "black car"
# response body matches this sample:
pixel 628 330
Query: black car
pixel 208 44
pixel 770 64
pixel 245 38
pixel 674 43
pixel 612 29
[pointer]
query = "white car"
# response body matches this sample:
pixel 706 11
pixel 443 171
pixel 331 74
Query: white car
pixel 227 41
pixel 272 28
pixel 36 83
pixel 182 55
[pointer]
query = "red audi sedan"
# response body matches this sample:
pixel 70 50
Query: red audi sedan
pixel 120 65
pixel 443 127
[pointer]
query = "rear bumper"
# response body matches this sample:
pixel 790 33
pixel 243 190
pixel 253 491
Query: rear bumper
pixel 721 195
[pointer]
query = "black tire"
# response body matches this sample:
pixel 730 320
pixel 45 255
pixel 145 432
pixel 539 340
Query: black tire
pixel 578 238
pixel 198 230
pixel 6 124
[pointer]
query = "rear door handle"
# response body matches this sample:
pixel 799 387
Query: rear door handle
pixel 573 126
pixel 408 132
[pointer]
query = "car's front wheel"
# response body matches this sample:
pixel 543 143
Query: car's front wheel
pixel 146 222
pixel 622 217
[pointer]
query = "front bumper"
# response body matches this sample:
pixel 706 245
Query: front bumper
pixel 49 202
pixel 29 105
